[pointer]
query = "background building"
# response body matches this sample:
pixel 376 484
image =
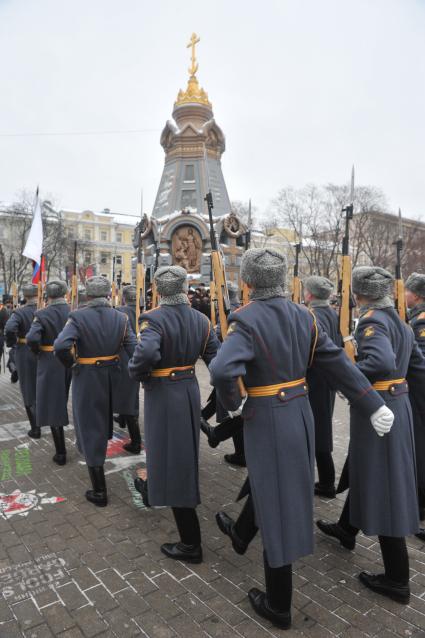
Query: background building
pixel 104 244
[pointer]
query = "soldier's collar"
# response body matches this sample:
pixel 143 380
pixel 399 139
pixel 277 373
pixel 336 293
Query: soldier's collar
pixel 319 303
pixel 98 301
pixel 59 301
pixel 376 304
pixel 267 293
pixel 174 300
pixel 417 310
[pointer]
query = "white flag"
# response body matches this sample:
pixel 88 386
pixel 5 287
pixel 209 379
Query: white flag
pixel 34 246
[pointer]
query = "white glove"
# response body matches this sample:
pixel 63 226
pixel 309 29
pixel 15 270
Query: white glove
pixel 238 412
pixel 382 420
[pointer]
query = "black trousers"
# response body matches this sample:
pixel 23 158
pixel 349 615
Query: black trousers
pixel 245 526
pixel 325 468
pixel 278 586
pixel 393 549
pixel 188 525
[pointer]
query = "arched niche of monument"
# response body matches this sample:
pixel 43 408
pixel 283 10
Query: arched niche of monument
pixel 186 238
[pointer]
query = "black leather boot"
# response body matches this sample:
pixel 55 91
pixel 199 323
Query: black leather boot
pixel 336 531
pixel 235 459
pixel 185 553
pixel 327 491
pixel 97 495
pixel 142 487
pixel 258 600
pixel 59 441
pixel 381 584
pixel 421 534
pixel 227 526
pixel 208 430
pixel 135 444
pixel 35 432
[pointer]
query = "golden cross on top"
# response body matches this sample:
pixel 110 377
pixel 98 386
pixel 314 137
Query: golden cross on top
pixel 192 44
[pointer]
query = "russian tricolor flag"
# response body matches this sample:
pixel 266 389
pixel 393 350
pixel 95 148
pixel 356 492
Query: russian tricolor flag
pixel 34 246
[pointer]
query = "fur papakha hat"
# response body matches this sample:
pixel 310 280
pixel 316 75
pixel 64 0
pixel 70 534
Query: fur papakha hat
pixel 98 286
pixel 56 288
pixel 29 291
pixel 129 293
pixel 170 280
pixel 372 282
pixel 416 284
pixel 318 286
pixel 263 268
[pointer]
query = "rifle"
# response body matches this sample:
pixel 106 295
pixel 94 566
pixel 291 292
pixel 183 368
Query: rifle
pixel 296 282
pixel 399 299
pixel 213 303
pixel 245 289
pixel 74 286
pixel 155 296
pixel 140 279
pixel 221 294
pixel 347 302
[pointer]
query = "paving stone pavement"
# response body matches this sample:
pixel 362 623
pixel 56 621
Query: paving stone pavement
pixel 72 570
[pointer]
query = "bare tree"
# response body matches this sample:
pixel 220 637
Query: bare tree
pixel 315 214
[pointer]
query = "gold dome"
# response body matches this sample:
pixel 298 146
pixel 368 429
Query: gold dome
pixel 194 93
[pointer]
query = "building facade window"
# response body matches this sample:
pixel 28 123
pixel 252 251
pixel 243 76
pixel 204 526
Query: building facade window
pixel 103 258
pixel 119 238
pixel 189 173
pixel 118 260
pixel 87 257
pixel 103 235
pixel 87 235
pixel 188 199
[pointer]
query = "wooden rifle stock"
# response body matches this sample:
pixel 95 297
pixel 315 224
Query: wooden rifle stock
pixel 296 290
pixel 345 310
pixel 213 302
pixel 400 303
pixel 345 295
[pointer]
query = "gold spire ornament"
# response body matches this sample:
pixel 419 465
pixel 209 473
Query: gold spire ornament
pixel 194 93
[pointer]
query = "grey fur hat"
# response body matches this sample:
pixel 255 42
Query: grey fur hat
pixel 170 280
pixel 29 291
pixel 372 282
pixel 129 293
pixel 233 291
pixel 98 287
pixel 56 288
pixel 319 287
pixel 264 268
pixel 416 284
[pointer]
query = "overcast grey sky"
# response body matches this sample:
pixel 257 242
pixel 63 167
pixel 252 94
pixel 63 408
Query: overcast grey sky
pixel 301 88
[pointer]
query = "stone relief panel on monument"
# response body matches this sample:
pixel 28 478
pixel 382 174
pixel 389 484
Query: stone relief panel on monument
pixel 187 248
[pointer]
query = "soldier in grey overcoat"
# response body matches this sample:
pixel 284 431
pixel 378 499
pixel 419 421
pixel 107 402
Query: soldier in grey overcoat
pixel 382 496
pixel 126 400
pixel 91 343
pixel 15 330
pixel 415 300
pixel 53 380
pixel 172 339
pixel 321 393
pixel 270 343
